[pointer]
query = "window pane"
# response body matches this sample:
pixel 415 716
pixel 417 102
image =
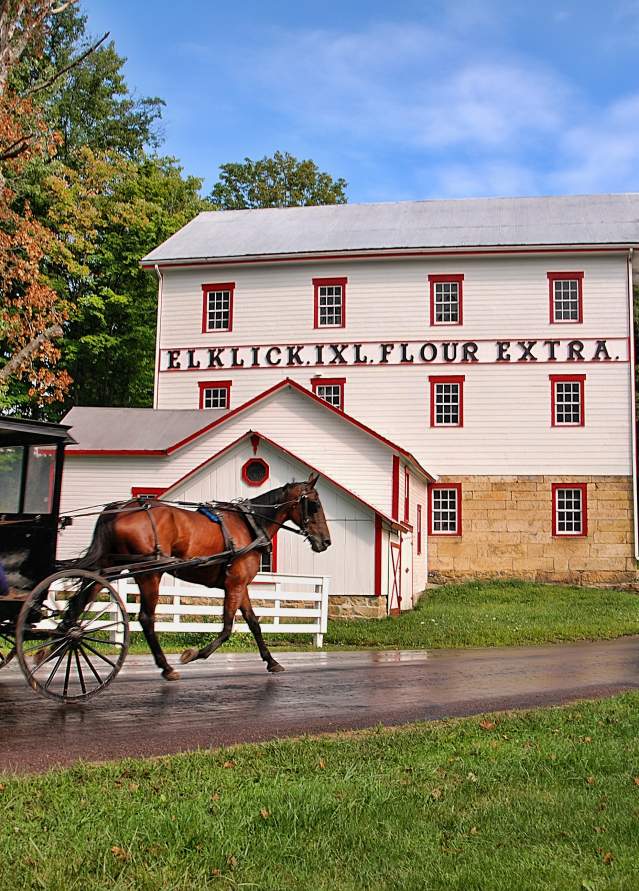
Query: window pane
pixel 447 404
pixel 566 300
pixel 218 310
pixel 215 397
pixel 444 506
pixel 38 496
pixel 568 402
pixel 331 393
pixel 446 303
pixel 330 305
pixel 11 466
pixel 569 511
pixel 266 561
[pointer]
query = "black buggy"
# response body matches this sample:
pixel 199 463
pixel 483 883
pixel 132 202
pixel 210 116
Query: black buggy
pixel 66 626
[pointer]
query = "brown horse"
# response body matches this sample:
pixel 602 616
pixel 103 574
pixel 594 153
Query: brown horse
pixel 156 531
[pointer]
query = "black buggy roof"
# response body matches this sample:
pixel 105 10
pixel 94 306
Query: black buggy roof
pixel 20 431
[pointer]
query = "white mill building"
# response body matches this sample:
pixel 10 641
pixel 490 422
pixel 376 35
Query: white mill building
pixel 460 373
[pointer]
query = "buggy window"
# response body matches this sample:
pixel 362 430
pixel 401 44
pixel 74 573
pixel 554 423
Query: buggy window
pixel 11 467
pixel 38 496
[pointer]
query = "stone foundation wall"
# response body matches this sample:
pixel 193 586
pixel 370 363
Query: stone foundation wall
pixel 507 532
pixel 358 606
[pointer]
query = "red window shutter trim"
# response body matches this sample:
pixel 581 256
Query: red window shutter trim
pixel 431 489
pixel 406 495
pixel 209 385
pixel 567 378
pixel 221 286
pixel 562 276
pixel 442 279
pixel 317 284
pixel 435 379
pixel 584 510
pixel 419 529
pixel 330 382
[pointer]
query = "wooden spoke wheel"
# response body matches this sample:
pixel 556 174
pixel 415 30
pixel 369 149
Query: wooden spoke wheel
pixel 72 635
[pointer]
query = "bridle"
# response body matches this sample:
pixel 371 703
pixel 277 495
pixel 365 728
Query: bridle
pixel 303 501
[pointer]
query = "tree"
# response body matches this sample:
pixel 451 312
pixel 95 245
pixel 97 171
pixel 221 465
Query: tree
pixel 108 213
pixel 28 306
pixel 280 181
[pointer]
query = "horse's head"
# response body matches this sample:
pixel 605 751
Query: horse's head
pixel 307 513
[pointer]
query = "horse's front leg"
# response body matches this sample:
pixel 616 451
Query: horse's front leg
pixel 233 596
pixel 149 586
pixel 252 621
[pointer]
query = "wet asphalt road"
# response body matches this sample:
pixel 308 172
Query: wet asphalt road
pixel 231 698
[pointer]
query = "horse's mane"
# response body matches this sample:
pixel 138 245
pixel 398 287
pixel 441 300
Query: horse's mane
pixel 269 501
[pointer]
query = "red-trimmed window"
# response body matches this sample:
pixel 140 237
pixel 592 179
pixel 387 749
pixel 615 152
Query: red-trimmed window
pixel 268 559
pixel 567 401
pixel 444 509
pixel 419 529
pixel 331 390
pixel 446 299
pixel 330 302
pixel 406 495
pixel 217 307
pixel 255 471
pixel 570 509
pixel 146 491
pixel 446 400
pixel 566 297
pixel 215 394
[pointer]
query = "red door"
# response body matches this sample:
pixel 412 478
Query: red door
pixel 395 603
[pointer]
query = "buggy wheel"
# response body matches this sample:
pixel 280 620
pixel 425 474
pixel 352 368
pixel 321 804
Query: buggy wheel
pixel 72 635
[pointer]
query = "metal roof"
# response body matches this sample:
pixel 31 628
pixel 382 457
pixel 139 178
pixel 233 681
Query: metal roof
pixel 135 429
pixel 24 431
pixel 468 222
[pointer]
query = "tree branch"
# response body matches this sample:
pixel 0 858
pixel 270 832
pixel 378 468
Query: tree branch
pixel 27 351
pixel 74 64
pixel 16 148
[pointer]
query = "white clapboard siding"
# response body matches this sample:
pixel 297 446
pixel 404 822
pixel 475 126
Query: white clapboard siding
pixel 349 561
pixel 507 426
pixel 505 297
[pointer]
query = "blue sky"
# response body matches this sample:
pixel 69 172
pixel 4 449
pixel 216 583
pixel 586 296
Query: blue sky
pixel 404 100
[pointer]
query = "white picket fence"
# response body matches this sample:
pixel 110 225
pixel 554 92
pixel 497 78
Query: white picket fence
pixel 287 599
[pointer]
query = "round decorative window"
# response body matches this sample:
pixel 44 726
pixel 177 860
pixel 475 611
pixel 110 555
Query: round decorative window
pixel 255 472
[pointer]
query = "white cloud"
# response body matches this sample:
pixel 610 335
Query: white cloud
pixel 409 85
pixel 464 120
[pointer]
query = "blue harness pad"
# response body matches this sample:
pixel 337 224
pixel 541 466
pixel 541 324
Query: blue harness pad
pixel 209 514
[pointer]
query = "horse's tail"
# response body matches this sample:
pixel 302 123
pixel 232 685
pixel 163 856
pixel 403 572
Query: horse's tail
pixel 101 543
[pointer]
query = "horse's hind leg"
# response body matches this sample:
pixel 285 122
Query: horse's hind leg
pixel 252 621
pixel 149 586
pixel 232 600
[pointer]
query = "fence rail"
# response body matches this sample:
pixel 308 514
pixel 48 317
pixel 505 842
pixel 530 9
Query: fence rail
pixel 275 597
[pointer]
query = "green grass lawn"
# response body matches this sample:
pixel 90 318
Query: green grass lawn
pixel 475 614
pixel 535 800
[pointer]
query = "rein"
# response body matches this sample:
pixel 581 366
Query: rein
pixel 233 507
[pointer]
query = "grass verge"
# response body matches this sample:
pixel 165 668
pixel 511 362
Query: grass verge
pixel 475 614
pixel 543 799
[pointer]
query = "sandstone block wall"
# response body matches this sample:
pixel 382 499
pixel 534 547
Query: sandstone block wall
pixel 507 532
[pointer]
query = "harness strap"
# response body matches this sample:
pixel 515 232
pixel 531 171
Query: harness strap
pixel 157 551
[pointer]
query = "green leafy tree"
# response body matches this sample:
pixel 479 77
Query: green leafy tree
pixel 280 181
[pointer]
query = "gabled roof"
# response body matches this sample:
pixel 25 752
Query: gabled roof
pixel 427 225
pixel 118 419
pixel 250 433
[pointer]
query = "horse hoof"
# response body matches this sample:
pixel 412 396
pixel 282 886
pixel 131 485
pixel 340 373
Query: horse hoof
pixel 170 674
pixel 274 667
pixel 189 655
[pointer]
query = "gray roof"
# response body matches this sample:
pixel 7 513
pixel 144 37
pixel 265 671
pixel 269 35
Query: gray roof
pixel 468 222
pixel 135 429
